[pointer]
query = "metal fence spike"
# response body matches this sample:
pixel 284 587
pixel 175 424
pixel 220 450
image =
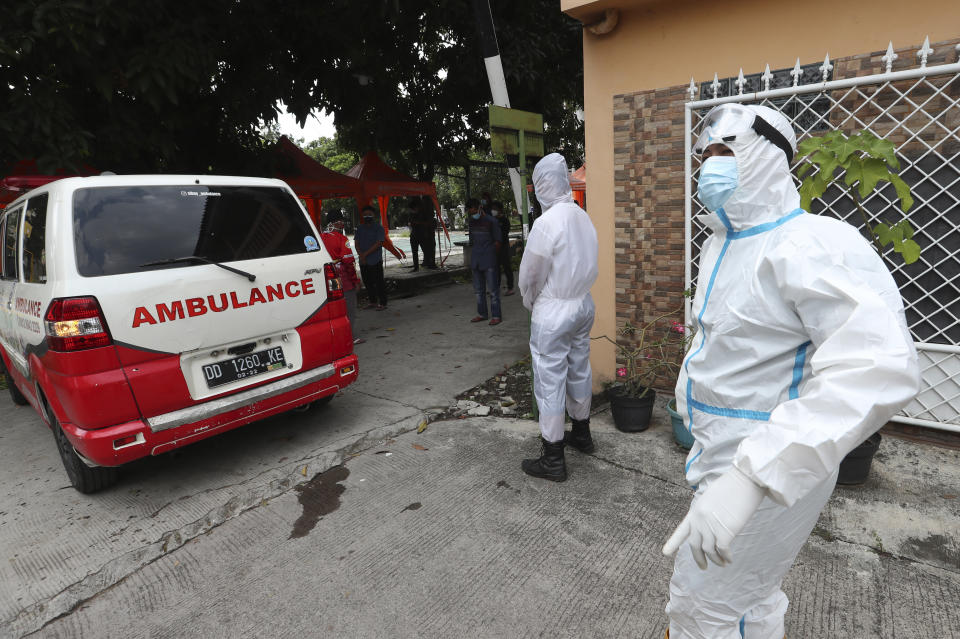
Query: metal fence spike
pixel 924 52
pixel 890 57
pixel 826 67
pixel 796 73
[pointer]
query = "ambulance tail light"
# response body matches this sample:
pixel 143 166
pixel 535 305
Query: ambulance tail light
pixel 75 324
pixel 334 285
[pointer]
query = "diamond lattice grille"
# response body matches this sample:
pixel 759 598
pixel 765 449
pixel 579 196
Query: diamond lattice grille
pixel 921 116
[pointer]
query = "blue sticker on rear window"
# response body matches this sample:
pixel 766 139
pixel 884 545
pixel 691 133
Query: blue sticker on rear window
pixel 311 243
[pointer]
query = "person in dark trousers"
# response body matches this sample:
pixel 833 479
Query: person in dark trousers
pixel 413 221
pixel 427 229
pixel 484 242
pixel 504 268
pixel 368 240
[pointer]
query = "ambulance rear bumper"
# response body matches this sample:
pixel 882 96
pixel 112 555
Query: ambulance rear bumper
pixel 123 443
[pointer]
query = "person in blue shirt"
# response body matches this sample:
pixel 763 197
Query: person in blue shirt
pixel 484 244
pixel 368 241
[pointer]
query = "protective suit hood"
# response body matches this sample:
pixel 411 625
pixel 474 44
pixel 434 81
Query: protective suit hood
pixel 766 191
pixel 551 181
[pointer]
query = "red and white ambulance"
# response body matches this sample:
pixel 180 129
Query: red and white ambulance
pixel 142 313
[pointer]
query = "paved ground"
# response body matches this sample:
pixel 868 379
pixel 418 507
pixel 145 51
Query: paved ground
pixel 344 522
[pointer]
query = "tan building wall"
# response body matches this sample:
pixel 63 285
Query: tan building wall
pixel 661 45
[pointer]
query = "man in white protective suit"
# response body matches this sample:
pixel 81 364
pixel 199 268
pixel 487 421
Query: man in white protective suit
pixel 558 268
pixel 801 352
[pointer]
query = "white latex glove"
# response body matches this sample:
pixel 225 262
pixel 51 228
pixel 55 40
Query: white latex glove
pixel 716 517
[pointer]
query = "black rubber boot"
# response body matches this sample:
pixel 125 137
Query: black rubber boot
pixel 579 437
pixel 550 465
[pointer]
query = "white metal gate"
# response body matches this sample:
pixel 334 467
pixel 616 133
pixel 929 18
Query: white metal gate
pixel 917 109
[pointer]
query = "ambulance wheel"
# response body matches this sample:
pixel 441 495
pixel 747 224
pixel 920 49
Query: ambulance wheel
pixel 85 479
pixel 15 394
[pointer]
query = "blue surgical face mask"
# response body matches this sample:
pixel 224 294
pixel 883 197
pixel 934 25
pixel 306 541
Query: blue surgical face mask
pixel 718 180
pixel 475 216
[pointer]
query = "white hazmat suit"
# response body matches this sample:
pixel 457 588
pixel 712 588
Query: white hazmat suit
pixel 558 269
pixel 801 352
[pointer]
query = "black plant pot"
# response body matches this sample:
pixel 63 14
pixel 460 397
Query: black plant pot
pixel 855 467
pixel 631 414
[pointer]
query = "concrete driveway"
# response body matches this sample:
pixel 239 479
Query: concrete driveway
pixel 344 522
pixel 61 547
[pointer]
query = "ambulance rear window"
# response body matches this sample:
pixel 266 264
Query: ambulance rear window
pixel 116 229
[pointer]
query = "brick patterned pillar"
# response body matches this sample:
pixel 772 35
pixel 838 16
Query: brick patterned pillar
pixel 649 210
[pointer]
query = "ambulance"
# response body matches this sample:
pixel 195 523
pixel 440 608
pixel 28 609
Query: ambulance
pixel 142 313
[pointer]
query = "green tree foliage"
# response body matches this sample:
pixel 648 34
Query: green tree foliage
pixel 423 66
pixel 154 86
pixel 163 86
pixel 328 152
pixel 865 160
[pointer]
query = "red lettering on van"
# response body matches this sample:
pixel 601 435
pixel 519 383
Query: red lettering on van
pixel 142 316
pixel 213 305
pixel 257 297
pixel 195 306
pixel 27 307
pixel 274 292
pixel 172 312
pixel 219 302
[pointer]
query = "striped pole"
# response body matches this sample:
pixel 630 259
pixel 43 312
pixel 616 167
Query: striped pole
pixel 498 85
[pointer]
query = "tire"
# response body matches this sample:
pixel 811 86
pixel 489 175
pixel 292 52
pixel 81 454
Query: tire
pixel 18 398
pixel 85 479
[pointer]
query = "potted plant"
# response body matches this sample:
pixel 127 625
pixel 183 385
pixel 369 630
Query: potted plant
pixel 681 435
pixel 645 353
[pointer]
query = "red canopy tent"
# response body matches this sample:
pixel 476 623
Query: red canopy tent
pixel 310 180
pixel 380 181
pixel 578 183
pixel 26 176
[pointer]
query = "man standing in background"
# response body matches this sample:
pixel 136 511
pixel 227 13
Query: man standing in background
pixel 427 227
pixel 484 243
pixel 369 239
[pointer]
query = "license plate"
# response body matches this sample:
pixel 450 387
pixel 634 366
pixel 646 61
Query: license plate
pixel 244 366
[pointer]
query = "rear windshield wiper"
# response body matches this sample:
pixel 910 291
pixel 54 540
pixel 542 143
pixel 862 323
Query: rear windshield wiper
pixel 197 258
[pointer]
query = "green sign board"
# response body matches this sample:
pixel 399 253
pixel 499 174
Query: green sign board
pixel 507 126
